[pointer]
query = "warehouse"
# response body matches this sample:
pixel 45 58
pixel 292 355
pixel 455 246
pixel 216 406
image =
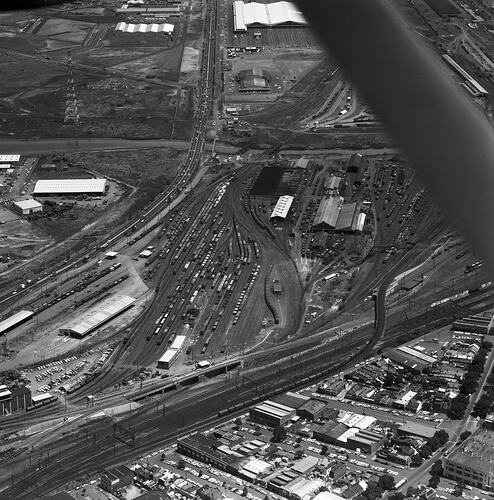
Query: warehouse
pixel 15 320
pixel 257 14
pixel 70 187
pixel 416 430
pixel 327 213
pixel 26 207
pixel 10 158
pixel 253 80
pixel 14 399
pixel 282 207
pixel 348 218
pixel 98 316
pixel 271 413
pixel 170 356
pixel 145 28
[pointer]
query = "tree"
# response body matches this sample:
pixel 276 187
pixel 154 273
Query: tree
pixel 299 454
pixel 434 481
pixel 397 496
pixel 279 433
pixel 443 436
pixel 386 482
pixel 238 422
pixel 373 491
pixel 324 450
pixel 416 460
pixel 437 468
pixel 257 430
pixel 181 464
pixel 245 491
pixel 458 491
pixel 464 435
pixel 425 451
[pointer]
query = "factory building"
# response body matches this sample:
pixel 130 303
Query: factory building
pixel 254 14
pixel 14 400
pixel 206 449
pixel 253 80
pixel 10 158
pixel 97 316
pixel 282 207
pixel 70 187
pixel 116 478
pixel 145 28
pixel 26 207
pixel 471 462
pixel 411 359
pixel 416 430
pixel 327 213
pixel 271 413
pixel 15 320
pixel 348 217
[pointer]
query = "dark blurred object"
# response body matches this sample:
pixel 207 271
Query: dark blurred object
pixel 6 5
pixel 446 138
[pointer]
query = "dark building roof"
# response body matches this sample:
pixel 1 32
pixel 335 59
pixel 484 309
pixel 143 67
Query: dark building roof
pixel 331 429
pixel 254 79
pixel 154 495
pixel 63 495
pixel 313 406
pixel 291 400
pixel 353 491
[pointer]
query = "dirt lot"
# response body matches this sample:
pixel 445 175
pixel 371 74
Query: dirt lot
pixel 65 30
pixel 148 170
pixel 284 66
pixel 164 65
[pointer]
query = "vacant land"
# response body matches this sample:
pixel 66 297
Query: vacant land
pixel 148 170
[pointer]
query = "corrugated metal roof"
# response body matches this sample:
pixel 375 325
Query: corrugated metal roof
pixel 61 186
pixel 28 204
pixel 14 320
pixel 347 216
pixel 10 157
pixel 144 28
pixel 178 342
pixel 99 314
pixel 282 206
pixel 328 211
pixel 272 14
pixel 168 356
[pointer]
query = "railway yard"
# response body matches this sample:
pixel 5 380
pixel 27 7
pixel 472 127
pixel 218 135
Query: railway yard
pixel 242 277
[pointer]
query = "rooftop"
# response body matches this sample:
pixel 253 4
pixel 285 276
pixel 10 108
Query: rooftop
pixel 477 452
pixel 16 318
pixel 282 206
pixel 144 28
pixel 28 204
pixel 61 186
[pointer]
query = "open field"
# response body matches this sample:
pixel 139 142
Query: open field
pixel 162 65
pixel 65 30
pixel 148 170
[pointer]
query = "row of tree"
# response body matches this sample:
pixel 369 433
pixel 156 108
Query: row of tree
pixel 438 440
pixel 470 383
pixel 486 401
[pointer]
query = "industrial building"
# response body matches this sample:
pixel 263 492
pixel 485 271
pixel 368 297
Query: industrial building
pixel 271 413
pixel 253 80
pixel 476 323
pixel 10 158
pixel 416 430
pixel 166 361
pixel 348 217
pixel 473 87
pixel 282 207
pixel 471 462
pixel 14 399
pixel 206 449
pixel 15 320
pixel 97 316
pixel 116 478
pixel 327 213
pixel 145 28
pixel 411 359
pixel 254 14
pixel 70 187
pixel 26 207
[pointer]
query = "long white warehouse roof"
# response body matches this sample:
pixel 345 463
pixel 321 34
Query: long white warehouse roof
pixel 271 14
pixel 28 204
pixel 10 158
pixel 61 186
pixel 16 318
pixel 178 342
pixel 145 28
pixel 98 315
pixel 282 206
